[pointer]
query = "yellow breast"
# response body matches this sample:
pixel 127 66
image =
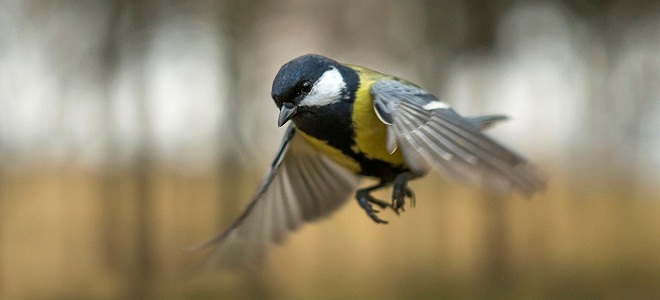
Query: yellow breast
pixel 370 132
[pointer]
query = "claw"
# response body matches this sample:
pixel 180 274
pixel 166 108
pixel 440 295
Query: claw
pixel 365 200
pixel 397 203
pixel 411 195
pixel 400 191
pixel 372 214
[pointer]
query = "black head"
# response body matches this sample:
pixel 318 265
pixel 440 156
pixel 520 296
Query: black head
pixel 296 79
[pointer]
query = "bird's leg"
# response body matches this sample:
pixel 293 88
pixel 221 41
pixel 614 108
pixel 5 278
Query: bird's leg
pixel 365 199
pixel 400 191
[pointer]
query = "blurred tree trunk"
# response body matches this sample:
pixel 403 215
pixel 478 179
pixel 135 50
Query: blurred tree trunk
pixel 3 196
pixel 455 28
pixel 144 199
pixel 484 18
pixel 140 22
pixel 2 217
pixel 239 19
pixel 110 182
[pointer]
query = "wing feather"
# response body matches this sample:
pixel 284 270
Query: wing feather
pixel 427 129
pixel 302 185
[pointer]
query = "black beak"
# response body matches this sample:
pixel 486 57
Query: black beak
pixel 286 114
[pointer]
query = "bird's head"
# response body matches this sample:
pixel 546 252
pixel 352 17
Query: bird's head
pixel 307 81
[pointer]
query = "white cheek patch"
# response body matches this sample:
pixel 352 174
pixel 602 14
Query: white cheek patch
pixel 435 105
pixel 326 90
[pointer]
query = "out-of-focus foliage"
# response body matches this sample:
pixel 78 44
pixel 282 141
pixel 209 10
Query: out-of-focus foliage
pixel 130 130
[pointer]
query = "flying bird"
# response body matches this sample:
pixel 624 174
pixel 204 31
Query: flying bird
pixel 346 123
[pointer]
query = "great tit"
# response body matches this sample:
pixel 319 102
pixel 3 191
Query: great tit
pixel 350 122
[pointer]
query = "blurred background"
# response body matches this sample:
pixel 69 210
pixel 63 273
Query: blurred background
pixel 130 130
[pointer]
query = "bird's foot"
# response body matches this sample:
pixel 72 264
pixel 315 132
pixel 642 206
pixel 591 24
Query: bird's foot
pixel 365 200
pixel 400 191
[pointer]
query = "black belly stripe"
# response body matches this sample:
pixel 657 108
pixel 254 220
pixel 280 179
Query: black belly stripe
pixel 377 168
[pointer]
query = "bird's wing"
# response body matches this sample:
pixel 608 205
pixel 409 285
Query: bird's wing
pixel 301 185
pixel 430 133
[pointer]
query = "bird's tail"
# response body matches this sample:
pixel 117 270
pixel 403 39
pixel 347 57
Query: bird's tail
pixel 488 121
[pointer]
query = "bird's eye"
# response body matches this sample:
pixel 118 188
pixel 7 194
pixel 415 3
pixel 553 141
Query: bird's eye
pixel 306 86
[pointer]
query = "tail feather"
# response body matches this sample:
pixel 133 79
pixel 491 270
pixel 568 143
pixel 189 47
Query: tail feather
pixel 486 122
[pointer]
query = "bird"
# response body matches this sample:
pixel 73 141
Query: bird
pixel 347 123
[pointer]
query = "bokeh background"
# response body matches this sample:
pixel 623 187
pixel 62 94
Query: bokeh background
pixel 130 130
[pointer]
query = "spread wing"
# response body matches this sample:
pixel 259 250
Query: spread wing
pixel 301 185
pixel 430 133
